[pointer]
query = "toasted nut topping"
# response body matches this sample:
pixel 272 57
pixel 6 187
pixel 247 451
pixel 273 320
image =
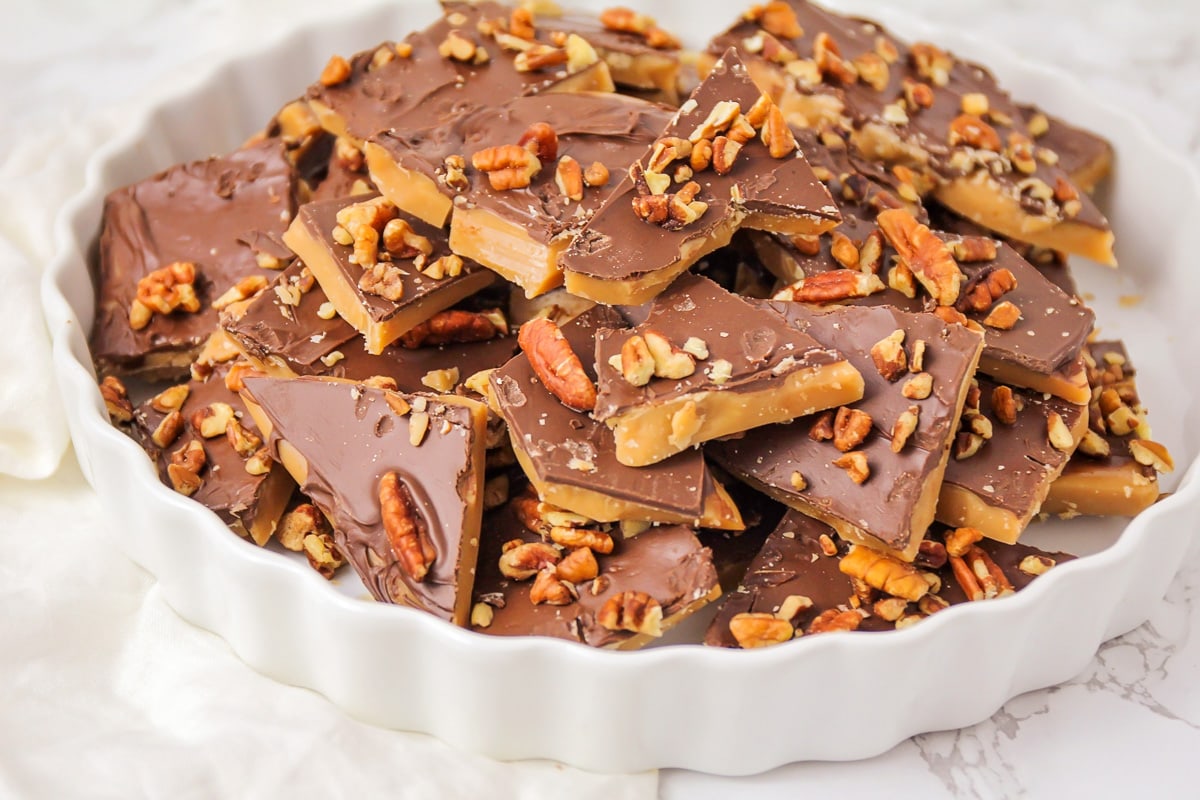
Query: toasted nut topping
pixel 509 166
pixel 720 371
pixel 245 288
pixel 1058 432
pixel 960 540
pixel 405 528
pixel 924 253
pixel 539 139
pixel 798 482
pixel 904 427
pixel 569 178
pixel 637 612
pixel 873 70
pixel 724 153
pixel 383 279
pixel 972 131
pixel 212 420
pixel 793 606
pixel 482 615
pixel 243 441
pixel 917 94
pixel 441 380
pixel 548 589
pixel 758 629
pixel 636 363
pixel 402 241
pixel 985 289
pixel 719 118
pixel 685 424
pixel 822 427
pixel 930 555
pixel 457 46
pixel 889 356
pixel 702 153
pixel 828 547
pixel 579 566
pixel 833 619
pixel 974 103
pixel 184 469
pixel 885 573
pixel 991 578
pixel 170 399
pixel 1004 404
pixel 1036 565
pixel 843 250
pixel 829 59
pixel 526 559
pixel 556 364
pixel 831 287
pixel 418 426
pixel 900 279
pixel 1151 454
pixel 850 428
pixel 777 19
pixel 855 464
pixel 1094 445
pixel 776 134
pixel 931 63
pixel 975 248
pixel 890 608
pixel 163 291
pixel 167 430
pixel 918 387
pixel 1004 316
pixel 625 20
pixel 569 536
pixel 966 444
pixel 596 174
pixel 336 71
pixel 116 400
pixel 669 361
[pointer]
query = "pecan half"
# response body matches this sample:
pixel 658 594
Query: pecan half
pixel 985 289
pixel 116 400
pixel 753 629
pixel 579 566
pixel 523 560
pixel 508 166
pixel 835 619
pixel 455 326
pixel 850 428
pixel 904 427
pixel 549 589
pixel 541 140
pixel 556 364
pixel 831 287
pixel 885 573
pixel 924 253
pixel 636 612
pixel 405 528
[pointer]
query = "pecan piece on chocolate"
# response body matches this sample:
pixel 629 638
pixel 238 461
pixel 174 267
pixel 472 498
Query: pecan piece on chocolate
pixel 924 253
pixel 759 629
pixel 831 287
pixel 885 573
pixel 636 612
pixel 556 364
pixel 405 527
pixel 455 326
pixel 116 400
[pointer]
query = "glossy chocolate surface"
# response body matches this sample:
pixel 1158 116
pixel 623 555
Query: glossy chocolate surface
pixel 218 214
pixel 617 244
pixel 350 438
pixel 882 506
pixel 667 562
pixel 760 346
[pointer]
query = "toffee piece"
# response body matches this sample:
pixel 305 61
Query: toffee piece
pixel 207 447
pixel 384 272
pixel 571 459
pixel 629 596
pixel 705 364
pixel 522 176
pixel 916 370
pixel 1012 445
pixel 726 160
pixel 406 508
pixel 804 581
pixel 924 108
pixel 291 329
pixel 1086 156
pixel 172 244
pixel 1115 470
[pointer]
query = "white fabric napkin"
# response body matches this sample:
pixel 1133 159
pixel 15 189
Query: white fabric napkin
pixel 107 692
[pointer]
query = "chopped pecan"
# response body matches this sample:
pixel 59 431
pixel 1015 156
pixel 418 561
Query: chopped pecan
pixel 482 615
pixel 593 540
pixel 778 19
pixel 1003 316
pixel 455 326
pixel 834 619
pixel 184 469
pixel 632 611
pixel 1058 433
pixel 457 46
pixel 843 250
pixel 931 62
pixel 322 554
pixel 402 241
pixel 976 248
pixel 336 70
pixel 579 566
pixel 972 131
pixel 828 57
pixel 556 364
pixel 541 140
pixel 870 253
pixel 931 555
pixel 924 253
pixel 985 289
pixel 298 523
pixel 884 572
pixel 917 94
pixel 383 279
pixel 596 174
pixel 1151 454
pixel 1004 405
pixel 669 361
pixel 244 442
pixel 753 629
pixel 965 577
pixel 889 356
pixel 625 20
pixel 855 464
pixel 569 178
pixel 904 427
pixel 725 152
pixel 850 428
pixel 991 578
pixel 548 589
pixel 637 365
pixel 828 547
pixel 405 528
pixel 701 157
pixel 167 430
pixel 918 387
pixel 164 290
pixel 960 540
pixel 831 287
pixel 776 134
pixel 508 166
pixel 1036 565
pixel 873 70
pixel 246 288
pixel 116 400
pixel 822 427
pixel 967 444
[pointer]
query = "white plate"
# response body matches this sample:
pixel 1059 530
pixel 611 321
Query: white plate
pixel 721 711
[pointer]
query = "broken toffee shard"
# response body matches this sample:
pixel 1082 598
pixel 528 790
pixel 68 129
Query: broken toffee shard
pixel 406 509
pixel 726 160
pixel 705 364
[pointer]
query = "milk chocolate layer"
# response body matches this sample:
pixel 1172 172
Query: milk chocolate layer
pixel 870 104
pixel 314 423
pixel 759 346
pixel 1084 155
pixel 287 340
pixel 569 448
pixel 667 563
pixel 1013 470
pixel 896 503
pixel 218 214
pixel 758 191
pixel 792 562
pixel 250 504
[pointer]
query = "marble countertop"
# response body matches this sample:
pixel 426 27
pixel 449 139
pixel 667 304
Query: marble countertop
pixel 1129 724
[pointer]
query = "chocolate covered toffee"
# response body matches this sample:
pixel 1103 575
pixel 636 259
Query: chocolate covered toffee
pixel 547 356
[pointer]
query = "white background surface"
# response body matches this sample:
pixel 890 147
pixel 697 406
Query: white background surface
pixel 109 694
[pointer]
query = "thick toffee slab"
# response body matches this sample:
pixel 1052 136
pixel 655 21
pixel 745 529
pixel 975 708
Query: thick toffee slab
pixel 248 492
pixel 920 106
pixel 370 309
pixel 286 334
pixel 757 370
pixel 668 563
pixel 311 425
pixel 571 458
pixel 221 215
pixel 1002 485
pixel 621 258
pixel 894 506
pixel 794 562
